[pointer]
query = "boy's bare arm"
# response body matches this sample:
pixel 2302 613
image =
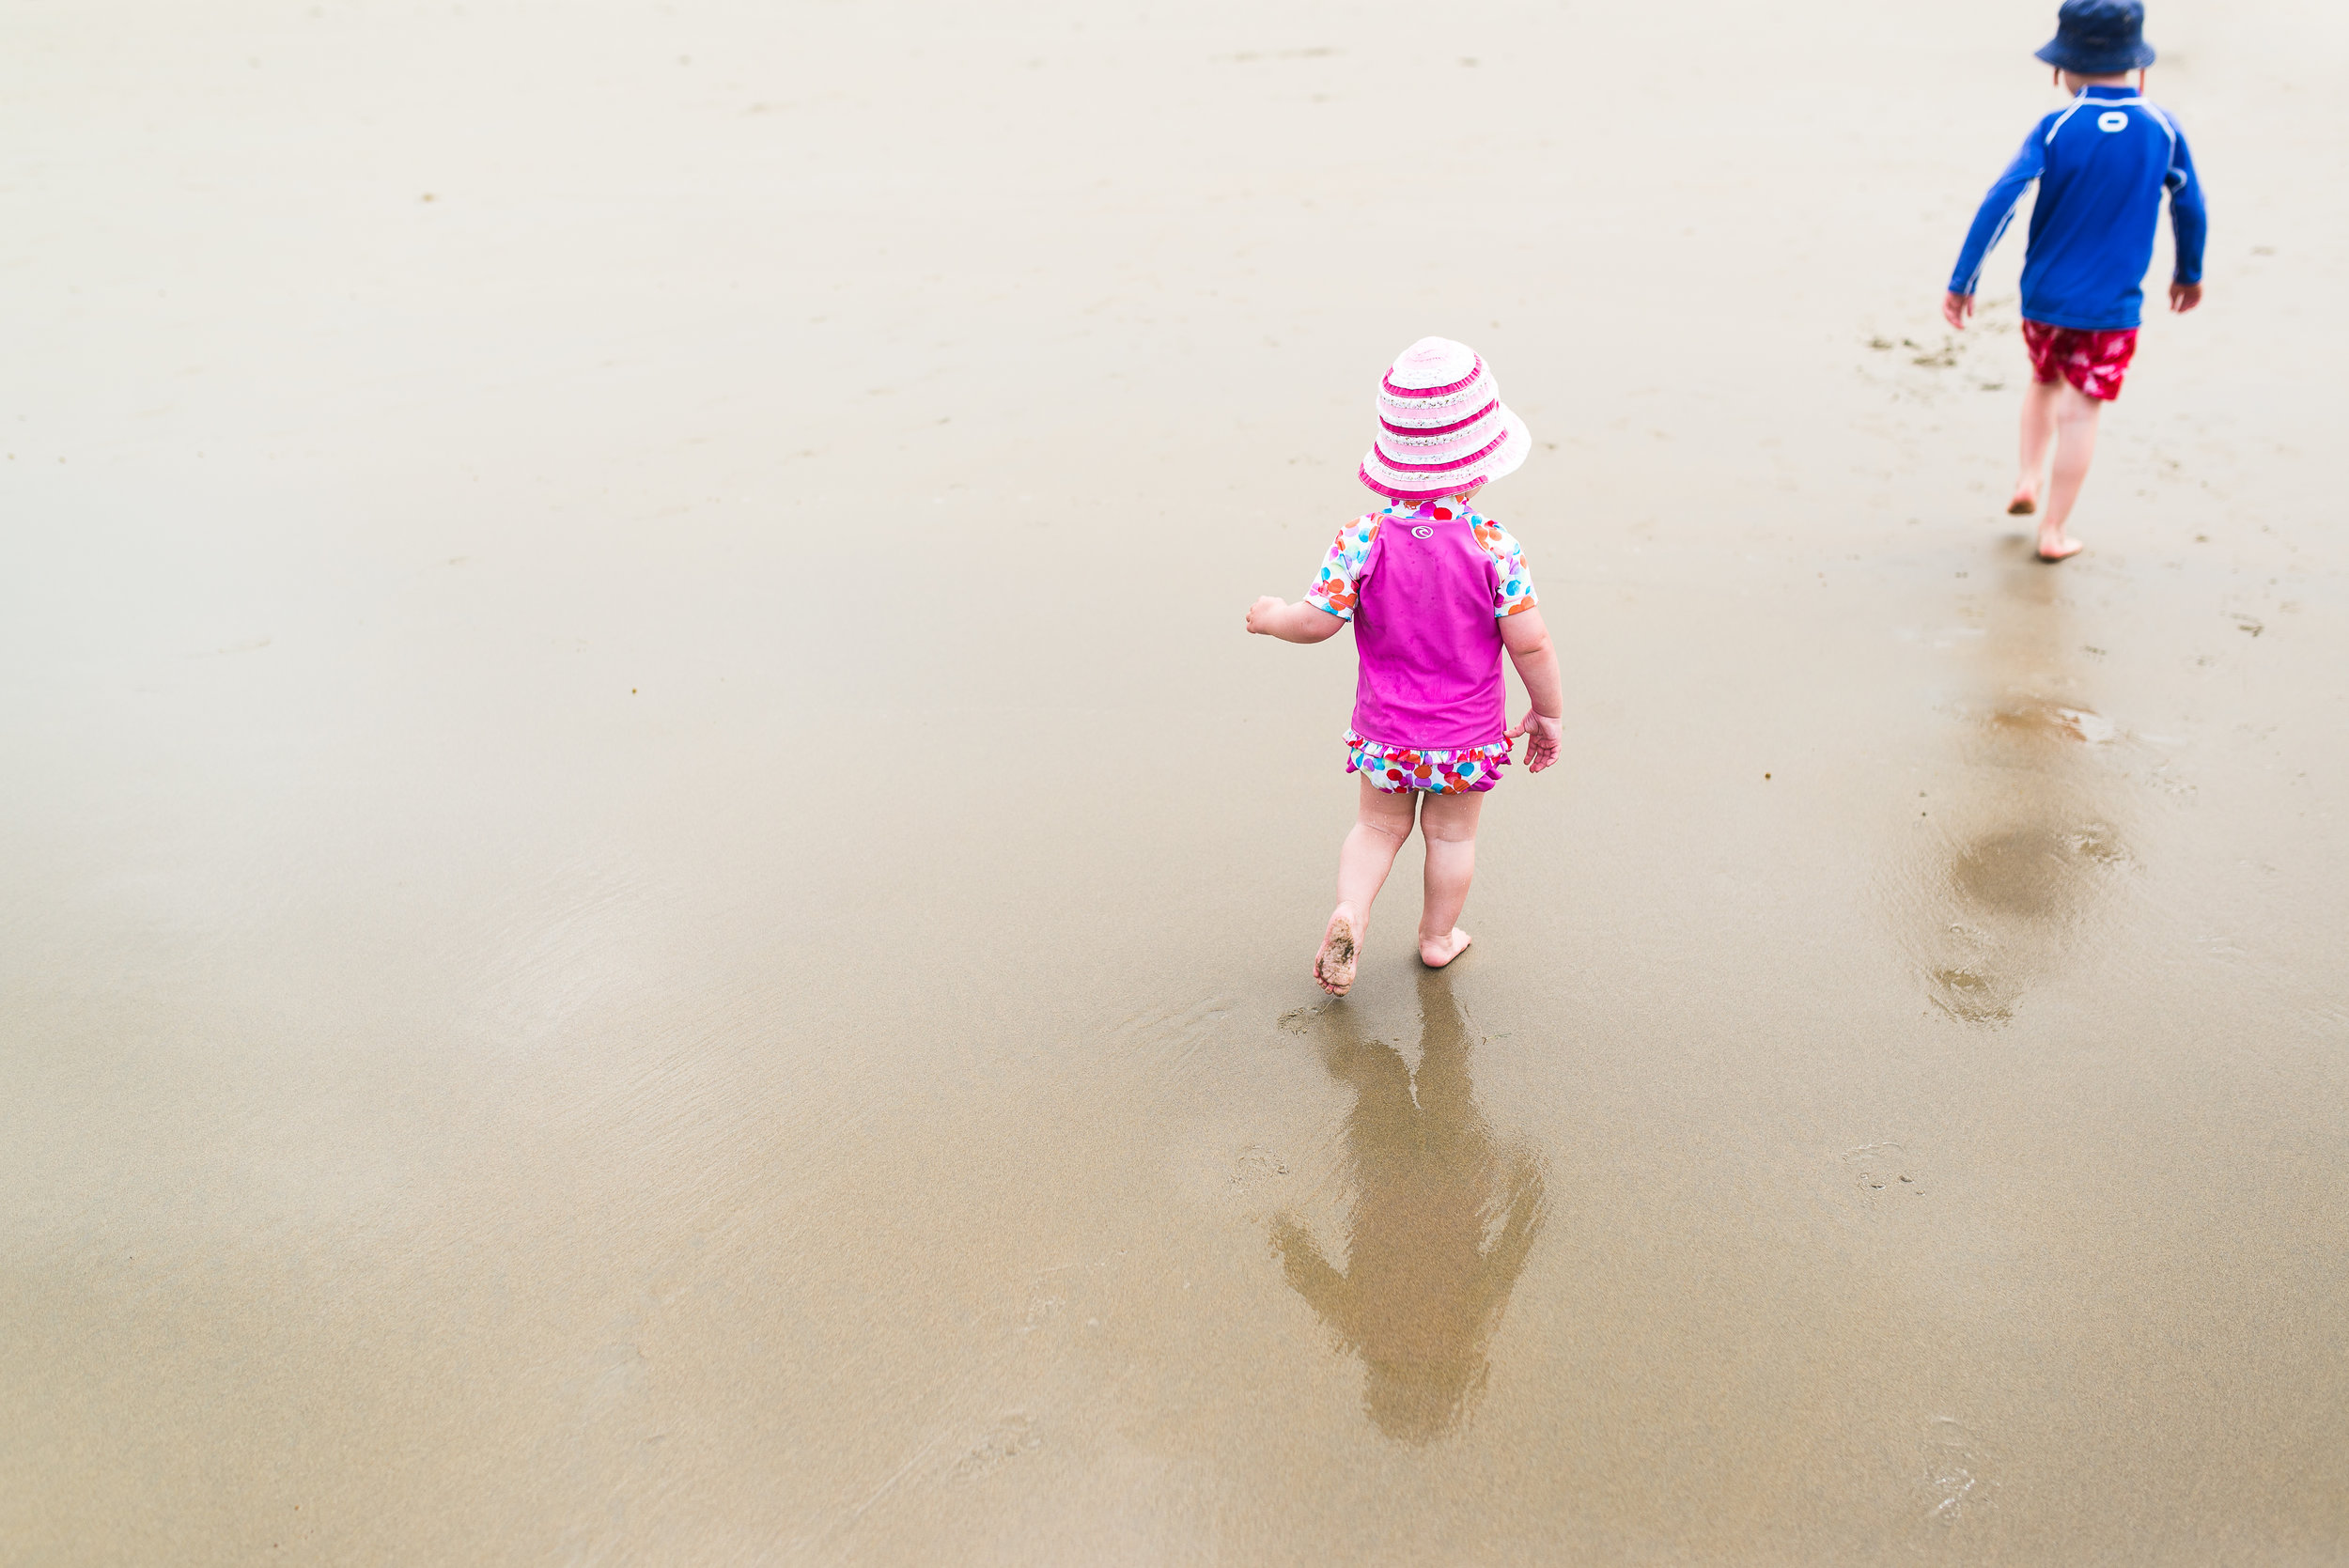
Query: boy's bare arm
pixel 2184 296
pixel 1956 307
pixel 1528 641
pixel 1291 623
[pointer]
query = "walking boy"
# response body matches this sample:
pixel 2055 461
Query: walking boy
pixel 2102 163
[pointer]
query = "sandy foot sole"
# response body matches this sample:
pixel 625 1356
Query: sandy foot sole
pixel 1333 966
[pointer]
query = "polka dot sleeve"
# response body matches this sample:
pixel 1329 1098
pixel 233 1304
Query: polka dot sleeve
pixel 1513 586
pixel 1339 587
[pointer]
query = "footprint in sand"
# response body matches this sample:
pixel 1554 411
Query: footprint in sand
pixel 1012 1436
pixel 1973 996
pixel 1051 1293
pixel 1255 1169
pixel 1956 1477
pixel 1884 1173
pixel 1180 1030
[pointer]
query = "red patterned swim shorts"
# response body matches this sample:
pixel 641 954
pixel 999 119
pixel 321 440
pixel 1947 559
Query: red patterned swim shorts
pixel 2094 362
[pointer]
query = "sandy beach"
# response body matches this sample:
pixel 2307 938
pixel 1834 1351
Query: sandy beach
pixel 657 913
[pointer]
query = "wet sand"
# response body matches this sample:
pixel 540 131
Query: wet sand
pixel 657 913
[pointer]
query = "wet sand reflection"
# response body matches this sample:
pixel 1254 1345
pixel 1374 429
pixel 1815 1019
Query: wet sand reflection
pixel 2031 821
pixel 1442 1220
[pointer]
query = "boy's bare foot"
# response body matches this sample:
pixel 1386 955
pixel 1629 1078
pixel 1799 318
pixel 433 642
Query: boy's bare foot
pixel 1436 952
pixel 2061 547
pixel 1340 945
pixel 2024 503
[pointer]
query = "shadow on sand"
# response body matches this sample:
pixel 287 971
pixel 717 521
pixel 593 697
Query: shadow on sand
pixel 1440 1223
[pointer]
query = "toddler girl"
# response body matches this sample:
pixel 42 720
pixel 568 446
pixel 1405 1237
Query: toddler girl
pixel 1435 592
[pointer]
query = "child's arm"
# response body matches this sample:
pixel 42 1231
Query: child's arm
pixel 1328 604
pixel 1528 641
pixel 2188 224
pixel 1990 221
pixel 1291 623
pixel 1327 1291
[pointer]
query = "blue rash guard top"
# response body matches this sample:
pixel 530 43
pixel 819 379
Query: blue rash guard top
pixel 2102 165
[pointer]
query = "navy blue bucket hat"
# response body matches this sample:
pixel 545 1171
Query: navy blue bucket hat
pixel 2099 38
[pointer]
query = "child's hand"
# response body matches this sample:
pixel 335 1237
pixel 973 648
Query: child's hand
pixel 1543 735
pixel 2184 296
pixel 1956 307
pixel 1266 615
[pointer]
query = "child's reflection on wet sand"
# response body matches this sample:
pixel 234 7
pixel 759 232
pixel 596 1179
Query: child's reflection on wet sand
pixel 2030 828
pixel 1440 1223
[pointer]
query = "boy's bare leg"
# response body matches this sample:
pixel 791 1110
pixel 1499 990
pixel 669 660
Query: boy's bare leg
pixel 1448 825
pixel 1381 823
pixel 2076 447
pixel 2038 427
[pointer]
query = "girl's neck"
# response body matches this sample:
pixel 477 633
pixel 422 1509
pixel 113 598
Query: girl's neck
pixel 1460 497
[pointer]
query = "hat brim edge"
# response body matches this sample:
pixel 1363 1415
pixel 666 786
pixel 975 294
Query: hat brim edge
pixel 1512 455
pixel 2054 53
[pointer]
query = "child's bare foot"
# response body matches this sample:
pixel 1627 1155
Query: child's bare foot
pixel 2059 548
pixel 1341 944
pixel 2026 502
pixel 1436 952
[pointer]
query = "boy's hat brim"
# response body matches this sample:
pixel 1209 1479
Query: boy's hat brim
pixel 2064 56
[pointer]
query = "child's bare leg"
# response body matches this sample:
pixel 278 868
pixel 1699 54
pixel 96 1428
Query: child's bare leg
pixel 1448 825
pixel 2076 447
pixel 1381 823
pixel 2038 427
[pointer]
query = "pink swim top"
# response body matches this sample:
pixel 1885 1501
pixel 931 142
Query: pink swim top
pixel 1425 585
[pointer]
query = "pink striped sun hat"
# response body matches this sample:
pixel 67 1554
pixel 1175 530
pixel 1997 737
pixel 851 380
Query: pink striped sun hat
pixel 1442 425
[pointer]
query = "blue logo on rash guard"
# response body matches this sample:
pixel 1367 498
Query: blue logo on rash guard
pixel 2112 120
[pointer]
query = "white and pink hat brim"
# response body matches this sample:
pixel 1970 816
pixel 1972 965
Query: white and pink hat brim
pixel 1442 426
